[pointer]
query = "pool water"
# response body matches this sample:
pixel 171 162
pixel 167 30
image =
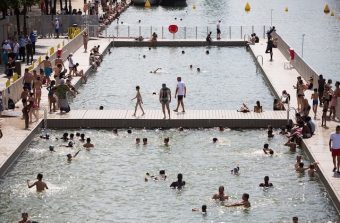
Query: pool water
pixel 228 78
pixel 322 32
pixel 107 184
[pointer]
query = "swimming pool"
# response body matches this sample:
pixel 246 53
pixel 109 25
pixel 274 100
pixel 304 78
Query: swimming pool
pixel 322 32
pixel 107 183
pixel 228 78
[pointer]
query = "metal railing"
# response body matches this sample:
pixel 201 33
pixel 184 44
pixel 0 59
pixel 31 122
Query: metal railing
pixel 184 32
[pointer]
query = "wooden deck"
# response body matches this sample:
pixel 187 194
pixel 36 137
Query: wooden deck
pixel 154 119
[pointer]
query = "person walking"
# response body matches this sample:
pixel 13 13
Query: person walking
pixel 334 147
pixel 85 40
pixel 165 99
pixel 269 49
pixel 181 91
pixel 139 101
pixel 218 29
pixel 33 38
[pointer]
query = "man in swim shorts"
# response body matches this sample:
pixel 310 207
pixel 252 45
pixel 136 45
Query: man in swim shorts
pixel 47 69
pixel 220 195
pixel 40 185
pixel 165 99
pixel 334 146
pixel 181 91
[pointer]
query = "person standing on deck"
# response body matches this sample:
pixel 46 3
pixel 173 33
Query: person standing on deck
pixel 334 147
pixel 218 29
pixel 165 99
pixel 181 91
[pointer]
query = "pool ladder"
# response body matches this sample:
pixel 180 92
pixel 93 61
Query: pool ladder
pixel 45 117
pixel 288 113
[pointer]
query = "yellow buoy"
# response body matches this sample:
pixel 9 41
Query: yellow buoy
pixel 286 9
pixel 326 9
pixel 194 7
pixel 147 4
pixel 247 7
pixel 332 13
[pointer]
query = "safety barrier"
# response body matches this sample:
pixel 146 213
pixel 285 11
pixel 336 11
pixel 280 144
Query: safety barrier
pixel 184 32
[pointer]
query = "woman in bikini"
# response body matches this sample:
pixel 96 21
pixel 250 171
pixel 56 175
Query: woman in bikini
pixel 37 90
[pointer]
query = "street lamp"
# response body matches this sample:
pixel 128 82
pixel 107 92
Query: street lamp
pixel 303 39
pixel 70 7
pixel 271 17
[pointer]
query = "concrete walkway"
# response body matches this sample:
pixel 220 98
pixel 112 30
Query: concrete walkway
pixel 317 146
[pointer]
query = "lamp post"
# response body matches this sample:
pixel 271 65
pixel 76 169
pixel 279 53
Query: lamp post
pixel 70 7
pixel 303 39
pixel 271 17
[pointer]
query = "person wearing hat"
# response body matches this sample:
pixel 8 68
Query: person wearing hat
pixel 61 91
pixel 165 99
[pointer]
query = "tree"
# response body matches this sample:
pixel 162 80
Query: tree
pixel 4 6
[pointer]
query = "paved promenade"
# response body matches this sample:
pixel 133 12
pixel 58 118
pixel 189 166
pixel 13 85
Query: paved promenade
pixel 283 79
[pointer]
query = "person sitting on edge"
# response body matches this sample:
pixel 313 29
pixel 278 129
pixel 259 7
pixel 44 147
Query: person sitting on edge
pixel 285 98
pixel 166 141
pixel 145 141
pixel 244 108
pixel 70 157
pixel 203 210
pixel 179 183
pixel 88 145
pixel 267 150
pixel 258 107
pixel 39 184
pixel 220 195
pixel 266 182
pixel 270 131
pixel 208 39
pixel 245 202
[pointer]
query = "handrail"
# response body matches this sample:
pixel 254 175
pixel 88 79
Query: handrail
pixel 257 58
pixel 244 37
pixel 288 113
pixel 45 117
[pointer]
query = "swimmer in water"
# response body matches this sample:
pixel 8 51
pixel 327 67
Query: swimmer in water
pixel 82 137
pixel 179 183
pixel 77 134
pixel 88 145
pixel 266 182
pixel 298 161
pixel 295 219
pixel 198 69
pixel 24 219
pixel 46 136
pixel 129 131
pixel 145 141
pixel 115 131
pixel 137 141
pixel 190 66
pixel 70 144
pixel 180 129
pixel 312 170
pixel 215 140
pixel 235 171
pixel 166 141
pixel 221 128
pixel 161 176
pixel 301 168
pixel 39 184
pixel 70 157
pixel 71 136
pixel 65 137
pixel 291 144
pixel 267 150
pixel 183 52
pixel 155 71
pixel 51 148
pixel 203 210
pixel 245 202
pixel 220 195
pixel 270 131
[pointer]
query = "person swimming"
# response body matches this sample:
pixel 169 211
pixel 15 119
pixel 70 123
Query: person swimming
pixel 129 131
pixel 69 144
pixel 46 136
pixel 65 137
pixel 221 128
pixel 220 195
pixel 266 182
pixel 179 183
pixel 267 150
pixel 39 184
pixel 70 157
pixel 235 171
pixel 145 141
pixel 215 140
pixel 51 148
pixel 155 71
pixel 88 145
pixel 137 141
pixel 203 210
pixel 82 137
pixel 270 131
pixel 190 66
pixel 245 202
pixel 198 69
pixel 166 141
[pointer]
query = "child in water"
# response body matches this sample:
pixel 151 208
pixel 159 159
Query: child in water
pixel 139 101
